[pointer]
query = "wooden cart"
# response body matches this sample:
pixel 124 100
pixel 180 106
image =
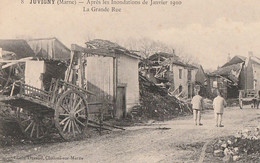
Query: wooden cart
pixel 64 105
pixel 247 96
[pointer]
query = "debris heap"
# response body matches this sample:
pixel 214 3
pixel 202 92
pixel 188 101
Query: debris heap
pixel 156 103
pixel 244 145
pixel 10 132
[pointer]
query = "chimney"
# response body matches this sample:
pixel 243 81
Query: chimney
pixel 250 54
pixel 228 58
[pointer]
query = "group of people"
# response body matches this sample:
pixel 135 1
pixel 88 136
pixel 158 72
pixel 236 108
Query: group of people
pixel 219 104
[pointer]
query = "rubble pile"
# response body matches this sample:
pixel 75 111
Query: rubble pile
pixel 208 104
pixel 156 103
pixel 244 144
pixel 10 132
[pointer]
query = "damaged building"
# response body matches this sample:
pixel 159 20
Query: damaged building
pixel 167 70
pixel 239 73
pixel 113 75
pixel 22 63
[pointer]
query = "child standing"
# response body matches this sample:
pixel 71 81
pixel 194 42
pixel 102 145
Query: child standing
pixel 197 106
pixel 218 104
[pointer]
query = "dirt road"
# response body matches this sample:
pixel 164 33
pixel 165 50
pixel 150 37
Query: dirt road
pixel 177 140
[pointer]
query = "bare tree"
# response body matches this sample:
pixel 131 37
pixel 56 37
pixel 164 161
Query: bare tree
pixel 146 47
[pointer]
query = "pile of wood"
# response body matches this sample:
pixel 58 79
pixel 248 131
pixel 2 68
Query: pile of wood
pixel 156 103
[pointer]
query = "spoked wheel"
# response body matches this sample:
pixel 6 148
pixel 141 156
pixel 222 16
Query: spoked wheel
pixel 71 115
pixel 33 125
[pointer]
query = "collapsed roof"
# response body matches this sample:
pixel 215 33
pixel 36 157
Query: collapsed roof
pixel 108 46
pixel 7 55
pixel 168 59
pixel 236 59
pixel 230 72
pixel 162 55
pixel 19 47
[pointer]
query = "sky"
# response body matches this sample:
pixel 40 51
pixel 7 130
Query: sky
pixel 207 30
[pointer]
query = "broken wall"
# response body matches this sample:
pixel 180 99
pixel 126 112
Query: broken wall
pixel 128 74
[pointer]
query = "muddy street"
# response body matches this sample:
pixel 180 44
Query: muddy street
pixel 178 140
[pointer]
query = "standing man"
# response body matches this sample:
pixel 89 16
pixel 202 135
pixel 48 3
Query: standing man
pixel 197 106
pixel 218 104
pixel 256 99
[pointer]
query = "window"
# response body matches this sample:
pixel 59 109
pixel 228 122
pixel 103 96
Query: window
pixel 189 75
pixel 180 73
pixel 215 84
pixel 180 89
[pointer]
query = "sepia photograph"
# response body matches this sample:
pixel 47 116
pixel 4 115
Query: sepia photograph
pixel 129 81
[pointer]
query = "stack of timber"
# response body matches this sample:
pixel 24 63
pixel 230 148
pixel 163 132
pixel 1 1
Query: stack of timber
pixel 156 103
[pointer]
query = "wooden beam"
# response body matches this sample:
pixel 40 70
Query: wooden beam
pixel 81 75
pixel 68 73
pixel 114 84
pixel 19 60
pixel 13 62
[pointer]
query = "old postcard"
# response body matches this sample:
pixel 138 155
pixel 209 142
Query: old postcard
pixel 129 81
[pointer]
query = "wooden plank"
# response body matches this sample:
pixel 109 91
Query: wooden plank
pixel 98 127
pixel 81 75
pixel 19 60
pixel 25 101
pixel 13 62
pixel 43 103
pixel 106 124
pixel 54 93
pixel 114 83
pixel 67 76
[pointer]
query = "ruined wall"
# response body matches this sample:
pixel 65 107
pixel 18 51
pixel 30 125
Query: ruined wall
pixel 128 74
pixel 249 75
pixel 99 74
pixel 256 74
pixel 33 72
pixel 184 80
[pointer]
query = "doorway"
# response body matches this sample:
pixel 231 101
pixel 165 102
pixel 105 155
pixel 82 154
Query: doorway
pixel 121 101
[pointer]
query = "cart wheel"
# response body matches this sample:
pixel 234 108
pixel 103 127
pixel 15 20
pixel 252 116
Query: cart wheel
pixel 71 115
pixel 33 125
